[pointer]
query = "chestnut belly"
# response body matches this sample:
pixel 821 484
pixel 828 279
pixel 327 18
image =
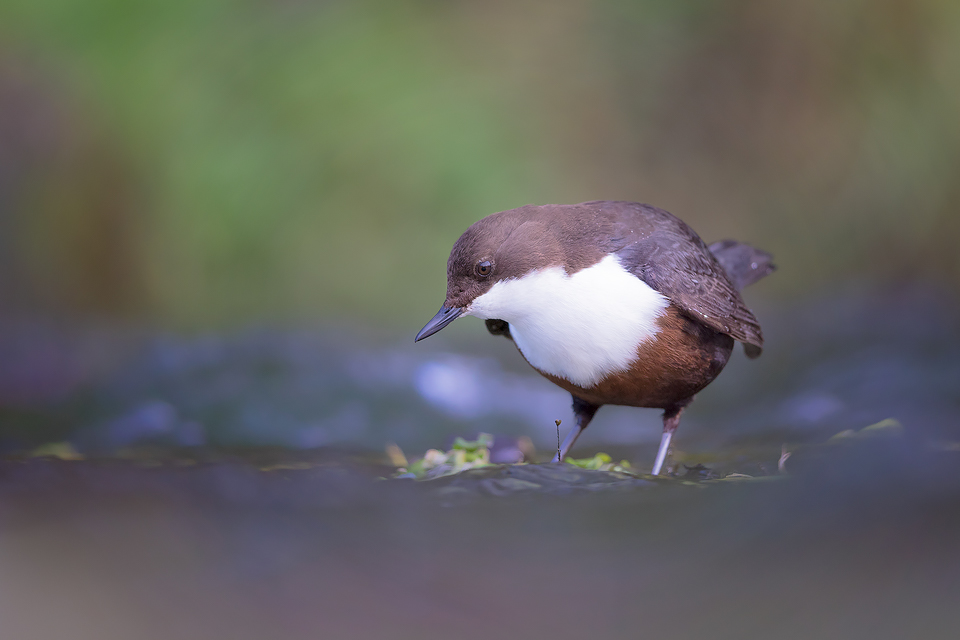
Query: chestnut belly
pixel 684 357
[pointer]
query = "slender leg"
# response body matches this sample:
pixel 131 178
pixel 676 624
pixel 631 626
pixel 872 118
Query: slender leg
pixel 671 420
pixel 583 411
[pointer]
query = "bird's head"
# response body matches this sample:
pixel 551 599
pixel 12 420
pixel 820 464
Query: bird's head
pixel 502 246
pixel 511 245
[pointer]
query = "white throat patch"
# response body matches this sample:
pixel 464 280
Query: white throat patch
pixel 580 327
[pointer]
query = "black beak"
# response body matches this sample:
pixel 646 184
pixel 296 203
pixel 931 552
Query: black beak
pixel 445 316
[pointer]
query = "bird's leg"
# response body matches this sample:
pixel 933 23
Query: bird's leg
pixel 583 411
pixel 671 420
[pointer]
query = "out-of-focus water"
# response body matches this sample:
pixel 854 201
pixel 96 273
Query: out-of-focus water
pixel 860 543
pixel 838 363
pixel 246 502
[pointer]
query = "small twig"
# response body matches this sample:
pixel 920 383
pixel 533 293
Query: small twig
pixel 784 456
pixel 558 441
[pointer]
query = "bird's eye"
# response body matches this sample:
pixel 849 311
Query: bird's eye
pixel 484 268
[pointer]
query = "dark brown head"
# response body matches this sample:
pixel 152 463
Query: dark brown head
pixel 513 243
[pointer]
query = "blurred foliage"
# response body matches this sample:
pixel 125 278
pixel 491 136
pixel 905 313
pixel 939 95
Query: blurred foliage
pixel 59 450
pixel 211 162
pixel 462 456
pixel 600 462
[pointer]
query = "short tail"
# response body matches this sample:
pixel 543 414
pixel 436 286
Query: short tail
pixel 744 264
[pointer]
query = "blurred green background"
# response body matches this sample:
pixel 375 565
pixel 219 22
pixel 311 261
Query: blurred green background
pixel 209 164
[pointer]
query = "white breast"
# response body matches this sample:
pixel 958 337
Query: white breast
pixel 581 327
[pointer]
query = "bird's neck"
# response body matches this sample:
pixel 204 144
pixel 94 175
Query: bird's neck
pixel 580 327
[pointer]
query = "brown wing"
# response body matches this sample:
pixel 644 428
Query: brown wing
pixel 670 257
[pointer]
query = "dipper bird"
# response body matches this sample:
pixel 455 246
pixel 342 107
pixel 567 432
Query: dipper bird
pixel 616 302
